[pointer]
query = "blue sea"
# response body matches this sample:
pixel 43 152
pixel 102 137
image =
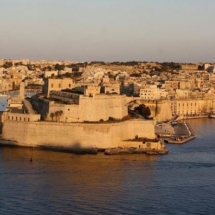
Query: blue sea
pixel 181 182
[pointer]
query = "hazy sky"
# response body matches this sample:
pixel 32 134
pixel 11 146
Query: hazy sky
pixel 108 30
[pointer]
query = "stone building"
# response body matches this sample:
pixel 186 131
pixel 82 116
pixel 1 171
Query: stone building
pixel 54 84
pixel 194 107
pixel 153 93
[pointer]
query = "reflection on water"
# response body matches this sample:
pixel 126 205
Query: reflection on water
pixel 181 182
pixel 80 182
pixel 3 100
pixel 3 103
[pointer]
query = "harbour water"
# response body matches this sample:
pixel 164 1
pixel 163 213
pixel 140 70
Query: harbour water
pixel 182 182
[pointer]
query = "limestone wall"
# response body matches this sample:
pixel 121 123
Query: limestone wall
pixel 23 117
pixel 70 135
pixel 160 109
pixel 57 84
pixel 163 110
pixel 70 112
pixel 102 107
pixel 89 109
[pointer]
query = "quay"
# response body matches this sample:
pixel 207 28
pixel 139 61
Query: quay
pixel 183 133
pixel 175 132
pixel 180 140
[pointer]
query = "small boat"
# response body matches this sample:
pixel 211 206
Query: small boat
pixel 212 116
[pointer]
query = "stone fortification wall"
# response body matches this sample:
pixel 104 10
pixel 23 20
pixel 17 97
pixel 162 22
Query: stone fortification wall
pixel 163 110
pixel 57 84
pixel 70 135
pixel 160 109
pixel 102 107
pixel 89 109
pixel 22 117
pixel 70 112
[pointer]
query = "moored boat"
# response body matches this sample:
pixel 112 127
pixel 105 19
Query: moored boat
pixel 212 116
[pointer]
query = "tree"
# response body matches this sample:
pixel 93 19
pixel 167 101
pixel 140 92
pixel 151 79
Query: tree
pixel 18 64
pixel 75 68
pixel 52 115
pixel 48 68
pixel 59 67
pixel 143 110
pixel 111 119
pixel 57 114
pixel 7 64
pixel 31 67
pixel 147 112
pixel 60 113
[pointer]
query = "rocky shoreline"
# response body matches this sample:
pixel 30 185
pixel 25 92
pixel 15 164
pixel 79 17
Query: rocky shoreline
pixel 131 150
pixel 92 151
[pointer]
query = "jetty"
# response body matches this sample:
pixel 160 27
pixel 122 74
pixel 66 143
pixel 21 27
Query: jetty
pixel 175 132
pixel 183 134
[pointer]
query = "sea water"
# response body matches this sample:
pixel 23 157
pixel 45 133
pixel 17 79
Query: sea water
pixel 181 182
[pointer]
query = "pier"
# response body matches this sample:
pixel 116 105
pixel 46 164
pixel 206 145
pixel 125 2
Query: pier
pixel 175 132
pixel 183 134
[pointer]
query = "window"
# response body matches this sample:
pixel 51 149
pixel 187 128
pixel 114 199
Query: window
pixel 52 86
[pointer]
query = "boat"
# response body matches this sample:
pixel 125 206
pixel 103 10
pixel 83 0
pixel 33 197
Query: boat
pixel 212 116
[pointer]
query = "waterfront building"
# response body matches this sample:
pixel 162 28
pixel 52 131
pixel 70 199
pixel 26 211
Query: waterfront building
pixel 188 107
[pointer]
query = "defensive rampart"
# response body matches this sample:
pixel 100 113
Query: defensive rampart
pixel 80 135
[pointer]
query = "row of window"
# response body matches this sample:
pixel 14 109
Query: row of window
pixel 18 118
pixel 187 104
pixel 59 85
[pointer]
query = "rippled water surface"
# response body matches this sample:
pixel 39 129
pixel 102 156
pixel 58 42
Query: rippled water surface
pixel 182 182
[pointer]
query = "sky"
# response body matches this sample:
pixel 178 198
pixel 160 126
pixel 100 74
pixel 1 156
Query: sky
pixel 108 30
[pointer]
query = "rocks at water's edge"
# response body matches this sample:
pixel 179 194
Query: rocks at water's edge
pixel 120 150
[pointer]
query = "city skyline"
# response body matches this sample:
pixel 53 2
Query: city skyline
pixel 110 30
